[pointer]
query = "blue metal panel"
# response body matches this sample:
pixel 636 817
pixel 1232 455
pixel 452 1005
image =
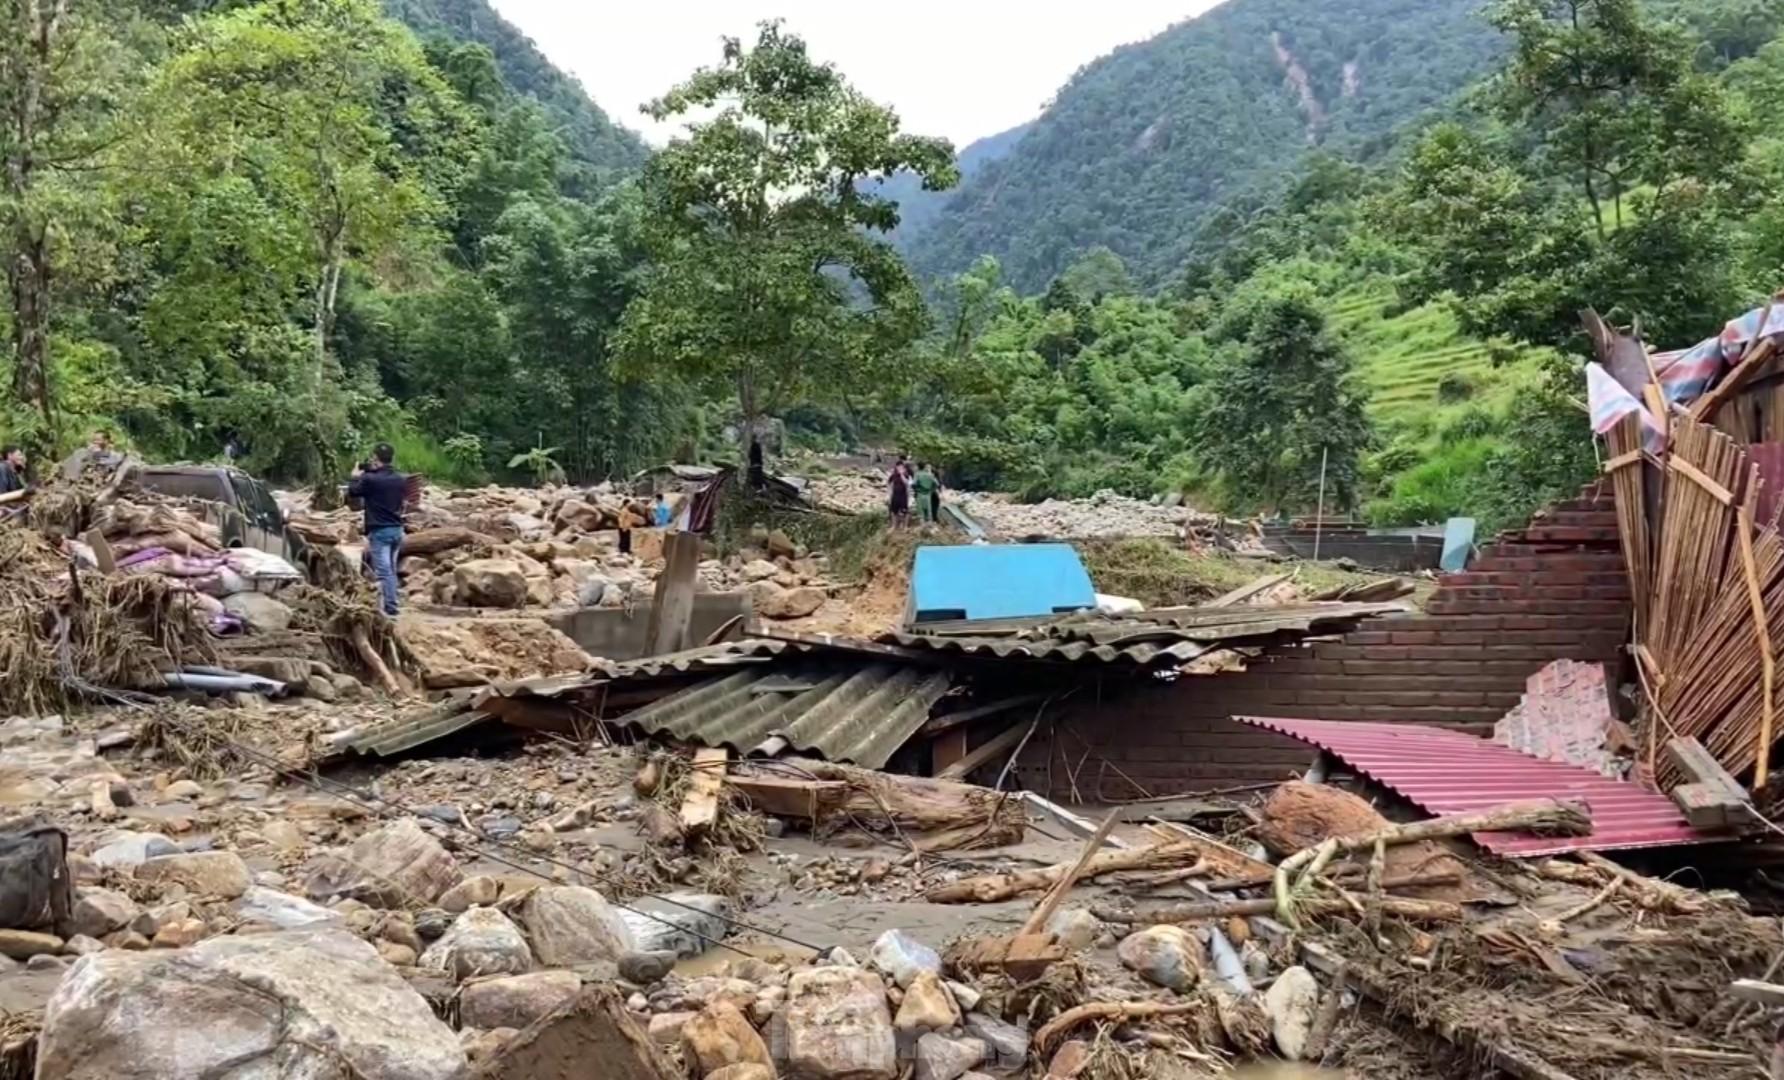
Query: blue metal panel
pixel 998 581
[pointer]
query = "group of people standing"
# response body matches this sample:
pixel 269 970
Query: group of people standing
pixel 921 485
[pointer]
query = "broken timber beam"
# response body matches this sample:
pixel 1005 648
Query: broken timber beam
pixel 1413 910
pixel 700 807
pixel 984 754
pixel 1710 798
pixel 778 797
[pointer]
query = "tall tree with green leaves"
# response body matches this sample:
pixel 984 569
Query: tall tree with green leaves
pixel 1280 408
pixel 60 75
pixel 768 279
pixel 329 118
pixel 1614 97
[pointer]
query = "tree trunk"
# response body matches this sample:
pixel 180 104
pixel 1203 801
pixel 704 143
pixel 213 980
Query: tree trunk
pixel 28 274
pixel 31 53
pixel 327 286
pixel 746 404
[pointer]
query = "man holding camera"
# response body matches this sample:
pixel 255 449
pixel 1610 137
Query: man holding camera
pixel 382 491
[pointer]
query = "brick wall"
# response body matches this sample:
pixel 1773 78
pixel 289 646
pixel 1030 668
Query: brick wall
pixel 1555 589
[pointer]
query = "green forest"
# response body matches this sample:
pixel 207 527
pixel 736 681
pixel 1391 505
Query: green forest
pixel 1275 242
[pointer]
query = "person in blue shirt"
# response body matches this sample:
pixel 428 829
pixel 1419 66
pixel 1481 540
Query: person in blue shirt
pixel 660 514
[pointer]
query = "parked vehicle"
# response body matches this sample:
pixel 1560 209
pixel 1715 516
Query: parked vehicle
pixel 240 505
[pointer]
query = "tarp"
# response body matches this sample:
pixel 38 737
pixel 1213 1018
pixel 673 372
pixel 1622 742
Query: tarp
pixel 997 581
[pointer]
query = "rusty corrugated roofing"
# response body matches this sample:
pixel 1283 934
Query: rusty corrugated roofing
pixel 854 712
pixel 1447 772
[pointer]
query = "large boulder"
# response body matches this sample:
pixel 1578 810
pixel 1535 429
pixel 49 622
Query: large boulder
pixel 396 865
pixel 942 1058
pixel 262 613
pixel 573 926
pixel 837 1025
pixel 497 583
pixel 481 942
pixel 514 1001
pixel 902 957
pixel 770 600
pixel 680 922
pixel 927 1006
pixel 202 873
pixel 718 1036
pixel 317 1004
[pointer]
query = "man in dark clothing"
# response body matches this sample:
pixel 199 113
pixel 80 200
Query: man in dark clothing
pixel 12 470
pixel 382 491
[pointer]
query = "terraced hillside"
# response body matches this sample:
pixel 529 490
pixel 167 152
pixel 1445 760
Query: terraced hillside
pixel 1418 365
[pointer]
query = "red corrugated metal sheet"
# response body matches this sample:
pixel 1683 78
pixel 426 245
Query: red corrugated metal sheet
pixel 1447 772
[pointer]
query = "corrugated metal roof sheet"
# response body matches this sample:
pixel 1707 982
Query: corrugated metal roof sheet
pixel 1447 772
pixel 1159 638
pixel 855 712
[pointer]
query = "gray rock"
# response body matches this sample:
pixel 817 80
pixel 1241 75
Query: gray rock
pixel 681 922
pixel 1291 1003
pixel 902 956
pixel 942 1058
pixel 444 812
pixel 97 912
pixel 1006 1045
pixel 646 968
pixel 1168 956
pixel 431 923
pixel 573 926
pixel 320 689
pixel 125 850
pixel 262 613
pixel 273 908
pixel 514 1001
pixel 1075 928
pixel 81 945
pixel 481 942
pixel 836 1024
pixel 499 826
pixel 322 1005
pixel 393 866
pixel 45 962
pixel 477 891
pixel 203 873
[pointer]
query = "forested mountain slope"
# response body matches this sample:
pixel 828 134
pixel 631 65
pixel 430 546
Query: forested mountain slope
pixel 590 134
pixel 1142 145
pixel 918 209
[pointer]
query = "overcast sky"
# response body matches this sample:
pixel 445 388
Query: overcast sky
pixel 958 68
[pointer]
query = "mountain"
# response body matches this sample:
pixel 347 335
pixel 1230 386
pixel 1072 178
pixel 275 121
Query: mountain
pixel 1140 147
pixel 591 135
pixel 918 209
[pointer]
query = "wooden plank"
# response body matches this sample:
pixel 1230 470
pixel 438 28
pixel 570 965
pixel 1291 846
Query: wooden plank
pixel 1701 479
pixel 102 550
pixel 967 716
pixel 700 807
pixel 1037 921
pixel 672 612
pixel 1001 744
pixel 1071 822
pixel 787 798
pixel 1621 461
pixel 1246 592
pixel 1762 634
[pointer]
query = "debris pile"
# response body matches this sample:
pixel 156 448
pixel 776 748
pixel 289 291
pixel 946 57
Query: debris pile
pixel 553 547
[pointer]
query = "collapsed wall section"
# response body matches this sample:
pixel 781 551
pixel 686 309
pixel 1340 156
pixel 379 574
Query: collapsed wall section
pixel 1555 589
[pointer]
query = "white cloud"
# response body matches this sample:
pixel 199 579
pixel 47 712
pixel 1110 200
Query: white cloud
pixel 962 69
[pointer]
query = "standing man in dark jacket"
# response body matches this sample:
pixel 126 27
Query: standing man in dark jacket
pixel 382 491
